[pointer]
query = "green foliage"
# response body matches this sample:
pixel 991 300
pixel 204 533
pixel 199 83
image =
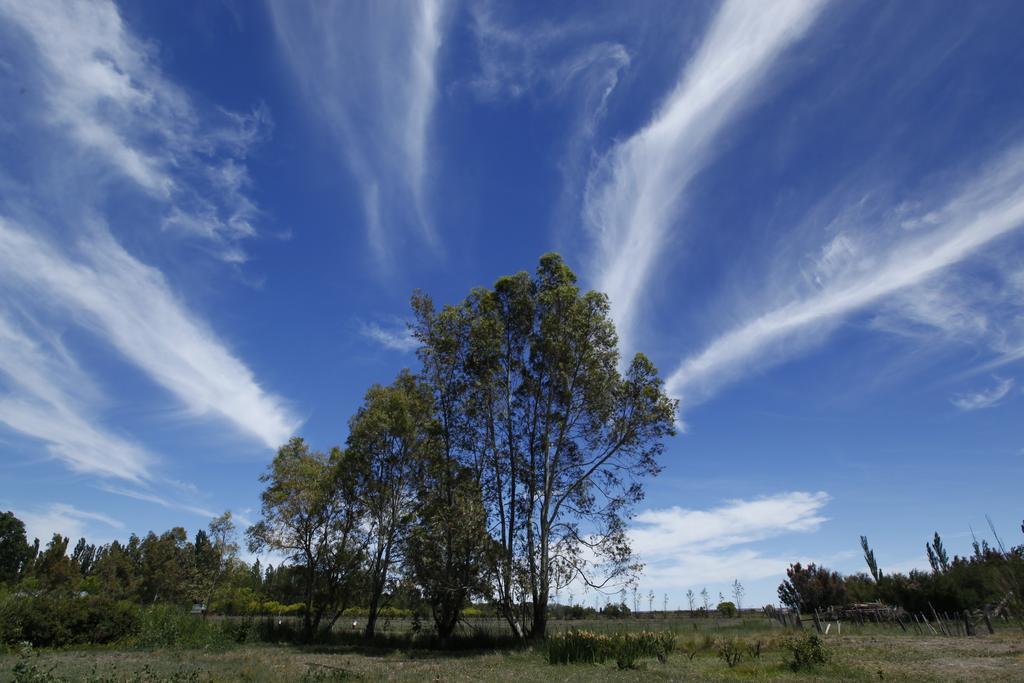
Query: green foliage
pixel 587 647
pixel 392 443
pixel 727 609
pixel 869 558
pixel 168 626
pixel 448 542
pixel 812 587
pixel 616 611
pixel 572 612
pixel 215 556
pixel 56 620
pixel 532 370
pixel 807 652
pixel 311 511
pixel 53 569
pixel 166 568
pixel 963 583
pixel 15 552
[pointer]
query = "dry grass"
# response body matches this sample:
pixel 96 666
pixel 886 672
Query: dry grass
pixel 855 658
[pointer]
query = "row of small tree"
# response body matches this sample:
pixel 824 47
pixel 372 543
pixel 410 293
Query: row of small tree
pixel 165 568
pixel 988 576
pixel 705 602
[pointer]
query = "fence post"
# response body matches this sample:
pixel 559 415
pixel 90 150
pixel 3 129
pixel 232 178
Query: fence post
pixel 988 621
pixel 968 626
pixel 938 620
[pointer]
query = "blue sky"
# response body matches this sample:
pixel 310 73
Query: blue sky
pixel 809 214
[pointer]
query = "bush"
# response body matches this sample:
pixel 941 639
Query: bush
pixel 727 609
pixel 587 647
pixel 613 611
pixel 52 620
pixel 170 626
pixel 807 652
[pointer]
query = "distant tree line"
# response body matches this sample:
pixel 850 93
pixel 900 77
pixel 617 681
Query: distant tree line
pixel 986 577
pixel 168 568
pixel 499 472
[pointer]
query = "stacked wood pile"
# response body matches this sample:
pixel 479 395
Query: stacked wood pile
pixel 864 612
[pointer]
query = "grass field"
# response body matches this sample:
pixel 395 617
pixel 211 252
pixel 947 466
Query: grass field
pixel 859 654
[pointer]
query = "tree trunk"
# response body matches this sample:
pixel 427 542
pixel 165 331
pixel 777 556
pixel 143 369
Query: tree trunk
pixel 445 622
pixel 508 610
pixel 371 615
pixel 307 624
pixel 538 630
pixel 371 624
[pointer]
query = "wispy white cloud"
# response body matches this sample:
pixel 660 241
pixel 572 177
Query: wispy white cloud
pixel 109 135
pixel 63 519
pixel 540 59
pixel 395 337
pixel 684 548
pixel 150 497
pixel 985 398
pixel 636 192
pixel 570 65
pixel 658 533
pixel 102 89
pixel 131 306
pixel 49 398
pixel 880 258
pixel 369 72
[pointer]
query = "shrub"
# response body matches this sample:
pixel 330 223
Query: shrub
pixel 51 620
pixel 170 626
pixel 727 609
pixel 807 652
pixel 613 611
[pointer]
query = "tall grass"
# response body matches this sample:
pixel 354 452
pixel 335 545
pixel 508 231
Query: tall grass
pixel 588 647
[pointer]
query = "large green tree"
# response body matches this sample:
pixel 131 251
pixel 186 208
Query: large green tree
pixel 215 552
pixel 812 587
pixel 310 512
pixel 391 438
pixel 15 551
pixel 559 438
pixel 114 572
pixel 166 567
pixel 53 568
pixel 449 545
